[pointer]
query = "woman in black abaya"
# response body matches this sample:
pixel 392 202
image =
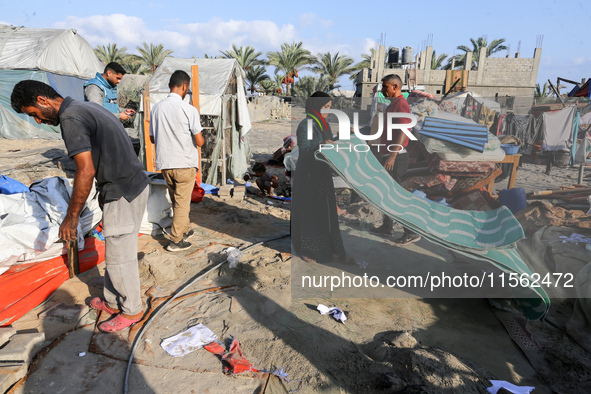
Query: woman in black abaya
pixel 315 230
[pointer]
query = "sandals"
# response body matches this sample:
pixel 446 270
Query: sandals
pixel 119 322
pixel 100 304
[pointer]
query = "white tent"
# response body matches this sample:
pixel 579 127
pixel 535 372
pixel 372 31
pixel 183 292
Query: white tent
pixel 222 106
pixel 58 57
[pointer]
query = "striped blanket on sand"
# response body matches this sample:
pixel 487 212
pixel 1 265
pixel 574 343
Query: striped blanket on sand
pixel 482 235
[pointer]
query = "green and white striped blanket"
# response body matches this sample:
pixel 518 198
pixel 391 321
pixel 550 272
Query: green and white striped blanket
pixel 482 235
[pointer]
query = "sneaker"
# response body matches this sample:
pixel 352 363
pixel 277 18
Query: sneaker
pixel 187 235
pixel 178 246
pixel 407 239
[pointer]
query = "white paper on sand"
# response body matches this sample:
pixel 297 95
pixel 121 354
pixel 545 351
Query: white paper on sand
pixel 188 341
pixel 334 312
pixel 498 384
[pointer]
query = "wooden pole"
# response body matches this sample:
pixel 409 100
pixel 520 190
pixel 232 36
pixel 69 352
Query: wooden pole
pixel 557 95
pixel 73 262
pixel 195 103
pixel 149 147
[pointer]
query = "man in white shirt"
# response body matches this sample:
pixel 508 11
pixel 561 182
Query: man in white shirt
pixel 175 129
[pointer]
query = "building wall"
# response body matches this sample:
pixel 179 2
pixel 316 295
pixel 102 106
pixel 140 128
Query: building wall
pixel 495 76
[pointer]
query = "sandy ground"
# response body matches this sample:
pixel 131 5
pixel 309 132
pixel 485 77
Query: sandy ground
pixel 389 344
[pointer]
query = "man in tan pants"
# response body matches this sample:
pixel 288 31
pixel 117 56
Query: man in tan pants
pixel 175 129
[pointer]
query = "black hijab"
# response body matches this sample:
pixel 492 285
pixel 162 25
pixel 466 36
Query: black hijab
pixel 314 104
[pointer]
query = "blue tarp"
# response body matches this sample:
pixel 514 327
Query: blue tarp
pixel 11 186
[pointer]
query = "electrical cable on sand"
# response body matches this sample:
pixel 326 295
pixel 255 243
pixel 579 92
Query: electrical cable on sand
pixel 179 292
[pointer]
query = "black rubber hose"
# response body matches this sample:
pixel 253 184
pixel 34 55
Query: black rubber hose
pixel 140 334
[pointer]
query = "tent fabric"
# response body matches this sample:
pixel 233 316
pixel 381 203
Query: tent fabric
pixel 558 129
pixel 57 57
pixel 486 235
pixel 214 78
pixel 59 51
pixel 29 226
pixel 18 126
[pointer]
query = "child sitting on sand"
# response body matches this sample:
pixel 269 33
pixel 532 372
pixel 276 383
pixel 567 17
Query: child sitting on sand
pixel 266 182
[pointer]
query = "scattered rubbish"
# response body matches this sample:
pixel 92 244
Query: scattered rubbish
pixel 270 203
pixel 576 238
pixel 188 341
pixel 281 374
pixel 82 354
pixel 233 359
pixel 285 256
pixel 336 313
pixel 501 384
pixel 233 256
pixel 362 264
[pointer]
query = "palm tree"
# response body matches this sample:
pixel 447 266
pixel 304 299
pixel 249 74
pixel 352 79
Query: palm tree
pixel 110 53
pixel 306 86
pixel 152 55
pixel 542 92
pixel 268 86
pixel 494 47
pixel 287 61
pixel 437 62
pixel 133 64
pixel 254 76
pixel 332 67
pixel 246 56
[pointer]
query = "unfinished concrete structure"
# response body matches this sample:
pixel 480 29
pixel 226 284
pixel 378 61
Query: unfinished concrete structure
pixel 495 76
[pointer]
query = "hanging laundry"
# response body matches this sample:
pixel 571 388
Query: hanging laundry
pixel 487 116
pixel 558 129
pixel 470 108
pixel 518 125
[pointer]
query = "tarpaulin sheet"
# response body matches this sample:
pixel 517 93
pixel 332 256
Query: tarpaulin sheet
pixel 482 235
pixel 29 222
pixel 60 51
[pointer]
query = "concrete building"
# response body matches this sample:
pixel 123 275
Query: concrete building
pixel 495 77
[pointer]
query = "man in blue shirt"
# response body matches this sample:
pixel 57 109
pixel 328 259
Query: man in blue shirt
pixel 102 90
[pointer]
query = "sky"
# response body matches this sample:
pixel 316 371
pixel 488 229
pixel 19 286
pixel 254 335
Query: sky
pixel 195 28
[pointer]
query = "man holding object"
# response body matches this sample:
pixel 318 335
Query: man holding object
pixel 99 145
pixel 396 162
pixel 102 90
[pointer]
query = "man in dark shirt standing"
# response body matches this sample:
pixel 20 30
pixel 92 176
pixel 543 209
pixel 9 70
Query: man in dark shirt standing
pixel 395 160
pixel 99 145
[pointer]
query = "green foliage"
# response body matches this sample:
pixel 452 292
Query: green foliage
pixel 306 86
pixel 152 55
pixel 289 60
pixel 247 56
pixel 133 65
pixel 268 86
pixel 332 67
pixel 254 76
pixel 110 53
pixel 493 47
pixel 437 61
